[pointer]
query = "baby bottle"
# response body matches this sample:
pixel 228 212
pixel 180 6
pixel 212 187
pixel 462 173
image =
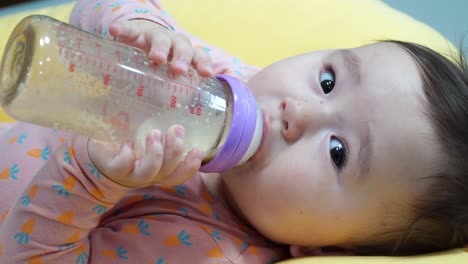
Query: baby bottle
pixel 56 75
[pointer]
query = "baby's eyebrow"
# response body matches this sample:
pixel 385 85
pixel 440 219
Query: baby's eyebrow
pixel 351 62
pixel 365 151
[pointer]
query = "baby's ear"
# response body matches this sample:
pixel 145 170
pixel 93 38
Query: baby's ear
pixel 299 251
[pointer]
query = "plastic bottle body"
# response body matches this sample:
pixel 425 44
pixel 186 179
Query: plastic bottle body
pixel 59 76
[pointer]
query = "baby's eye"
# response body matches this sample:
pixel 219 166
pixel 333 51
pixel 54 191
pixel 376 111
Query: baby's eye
pixel 327 81
pixel 338 152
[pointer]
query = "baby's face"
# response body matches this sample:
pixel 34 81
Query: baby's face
pixel 347 144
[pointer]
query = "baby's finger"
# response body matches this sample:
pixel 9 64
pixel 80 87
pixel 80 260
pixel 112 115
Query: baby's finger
pixel 182 54
pixel 160 46
pixel 148 166
pixel 124 31
pixel 202 62
pixel 121 164
pixel 186 169
pixel 173 149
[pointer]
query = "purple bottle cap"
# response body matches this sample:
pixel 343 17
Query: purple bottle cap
pixel 243 127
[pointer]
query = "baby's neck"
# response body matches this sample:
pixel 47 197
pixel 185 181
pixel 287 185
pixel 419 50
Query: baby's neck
pixel 213 183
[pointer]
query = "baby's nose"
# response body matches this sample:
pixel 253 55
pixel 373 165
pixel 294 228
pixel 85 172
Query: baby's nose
pixel 300 115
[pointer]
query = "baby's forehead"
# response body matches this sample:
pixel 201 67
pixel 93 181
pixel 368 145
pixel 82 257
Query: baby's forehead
pixel 396 106
pixel 386 50
pixel 389 60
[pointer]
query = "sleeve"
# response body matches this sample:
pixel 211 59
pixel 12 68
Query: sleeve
pixel 96 16
pixel 24 149
pixel 61 205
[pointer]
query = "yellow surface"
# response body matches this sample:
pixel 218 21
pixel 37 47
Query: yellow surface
pixel 263 31
pixel 260 32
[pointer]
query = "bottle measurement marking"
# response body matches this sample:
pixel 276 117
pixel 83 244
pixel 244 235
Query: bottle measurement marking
pixel 90 59
pixel 176 89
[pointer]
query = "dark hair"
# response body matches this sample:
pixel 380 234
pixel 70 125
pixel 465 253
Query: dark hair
pixel 441 220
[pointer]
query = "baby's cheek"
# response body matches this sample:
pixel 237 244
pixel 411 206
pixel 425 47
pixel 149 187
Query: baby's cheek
pixel 299 171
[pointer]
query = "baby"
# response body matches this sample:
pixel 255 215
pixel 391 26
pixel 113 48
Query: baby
pixel 363 153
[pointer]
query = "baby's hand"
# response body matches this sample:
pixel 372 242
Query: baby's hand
pixel 160 164
pixel 162 45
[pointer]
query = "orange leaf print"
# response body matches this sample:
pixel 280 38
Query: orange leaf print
pixel 168 189
pixel 115 9
pixel 33 191
pixel 69 183
pixel 35 260
pixel 35 153
pixel 80 250
pixel 237 240
pixel 151 217
pixel 172 241
pixel 206 228
pixel 207 196
pixel 134 199
pixel 71 151
pixel 170 206
pixel 5 174
pixel 110 253
pixel 253 250
pixel 142 1
pixel 215 252
pixel 73 238
pixel 13 140
pixel 96 193
pixel 62 140
pixel 5 214
pixel 131 229
pixel 206 209
pixel 28 226
pixel 66 218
